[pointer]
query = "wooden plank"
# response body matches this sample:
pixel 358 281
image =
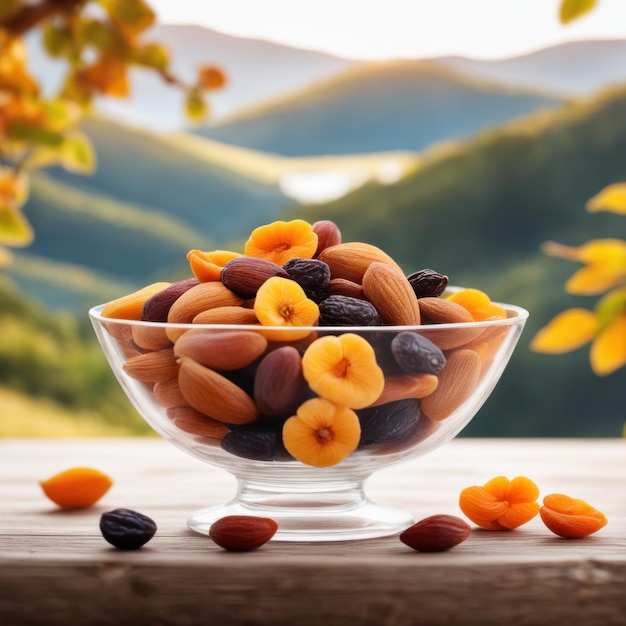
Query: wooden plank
pixel 55 568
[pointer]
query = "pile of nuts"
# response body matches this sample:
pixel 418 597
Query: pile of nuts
pixel 300 376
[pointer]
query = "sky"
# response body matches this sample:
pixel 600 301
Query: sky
pixel 379 29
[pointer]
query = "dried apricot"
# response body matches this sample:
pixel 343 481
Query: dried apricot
pixel 343 369
pixel 130 306
pixel 569 517
pixel 282 302
pixel 321 433
pixel 501 504
pixel 478 303
pixel 281 241
pixel 76 488
pixel 207 266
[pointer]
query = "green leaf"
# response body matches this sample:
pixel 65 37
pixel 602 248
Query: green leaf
pixel 132 15
pixel 14 227
pixel 77 154
pixel 610 306
pixel 573 9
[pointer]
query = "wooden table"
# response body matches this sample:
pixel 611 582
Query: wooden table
pixel 55 567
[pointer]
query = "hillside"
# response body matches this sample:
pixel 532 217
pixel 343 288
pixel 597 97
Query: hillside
pixel 377 107
pixel 479 213
pixel 580 68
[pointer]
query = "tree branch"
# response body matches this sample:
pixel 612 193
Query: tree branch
pixel 30 15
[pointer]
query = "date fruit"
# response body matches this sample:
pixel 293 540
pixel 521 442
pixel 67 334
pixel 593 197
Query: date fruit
pixel 126 529
pixel 242 533
pixel 436 533
pixel 416 354
pixel 428 283
pixel 347 311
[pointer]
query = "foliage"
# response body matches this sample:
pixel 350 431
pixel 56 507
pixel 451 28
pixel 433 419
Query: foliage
pixel 98 41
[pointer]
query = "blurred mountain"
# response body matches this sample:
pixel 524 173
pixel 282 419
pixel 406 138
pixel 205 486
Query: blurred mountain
pixel 376 107
pixel 580 68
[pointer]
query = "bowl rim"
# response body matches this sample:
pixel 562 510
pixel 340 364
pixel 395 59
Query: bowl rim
pixel 515 315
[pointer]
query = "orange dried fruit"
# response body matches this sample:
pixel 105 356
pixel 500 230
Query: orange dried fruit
pixel 343 369
pixel 76 488
pixel 281 241
pixel 569 517
pixel 130 306
pixel 478 303
pixel 501 504
pixel 321 433
pixel 282 302
pixel 207 266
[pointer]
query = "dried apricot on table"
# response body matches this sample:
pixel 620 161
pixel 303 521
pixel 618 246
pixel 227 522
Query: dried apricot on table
pixel 501 504
pixel 571 518
pixel 321 433
pixel 343 369
pixel 76 488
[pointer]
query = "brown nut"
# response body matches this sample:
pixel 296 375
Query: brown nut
pixel 191 421
pixel 388 289
pixel 241 533
pixel 152 367
pixel 214 395
pixel 244 275
pixel 403 387
pixel 227 315
pixel 156 308
pixel 436 533
pixel 441 311
pixel 328 234
pixel 278 382
pixel 351 259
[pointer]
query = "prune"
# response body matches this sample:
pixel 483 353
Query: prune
pixel 311 274
pixel 259 441
pixel 428 283
pixel 347 311
pixel 126 529
pixel 389 422
pixel 416 354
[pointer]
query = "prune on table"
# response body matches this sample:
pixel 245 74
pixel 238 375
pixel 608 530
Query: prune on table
pixel 416 354
pixel 127 529
pixel 311 274
pixel 347 311
pixel 428 283
pixel 388 422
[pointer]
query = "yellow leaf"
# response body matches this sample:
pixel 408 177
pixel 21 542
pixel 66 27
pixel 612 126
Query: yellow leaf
pixel 608 350
pixel 594 279
pixel 77 154
pixel 14 228
pixel 573 9
pixel 611 198
pixel 6 258
pixel 133 16
pixel 567 331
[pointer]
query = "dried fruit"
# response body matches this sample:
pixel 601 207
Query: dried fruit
pixel 428 283
pixel 416 354
pixel 282 302
pixel 436 533
pixel 312 275
pixel 130 306
pixel 501 504
pixel 76 488
pixel 321 433
pixel 260 441
pixel 278 382
pixel 244 275
pixel 241 533
pixel 457 380
pixel 390 422
pixel 157 308
pixel 343 369
pixel 388 289
pixel 569 517
pixel 214 395
pixel 280 241
pixel 207 266
pixel 478 304
pixel 347 311
pixel 126 529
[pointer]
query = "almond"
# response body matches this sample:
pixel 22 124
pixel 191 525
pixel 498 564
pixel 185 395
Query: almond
pixel 278 382
pixel 241 533
pixel 456 382
pixel 403 387
pixel 150 337
pixel 436 533
pixel 214 395
pixel 441 311
pixel 152 367
pixel 244 275
pixel 328 234
pixel 345 287
pixel 388 289
pixel 351 259
pixel 227 315
pixel 222 350
pixel 167 393
pixel 191 421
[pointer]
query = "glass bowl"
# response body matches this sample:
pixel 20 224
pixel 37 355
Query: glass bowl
pixel 263 405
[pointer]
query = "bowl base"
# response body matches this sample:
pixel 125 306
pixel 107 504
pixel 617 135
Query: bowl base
pixel 324 523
